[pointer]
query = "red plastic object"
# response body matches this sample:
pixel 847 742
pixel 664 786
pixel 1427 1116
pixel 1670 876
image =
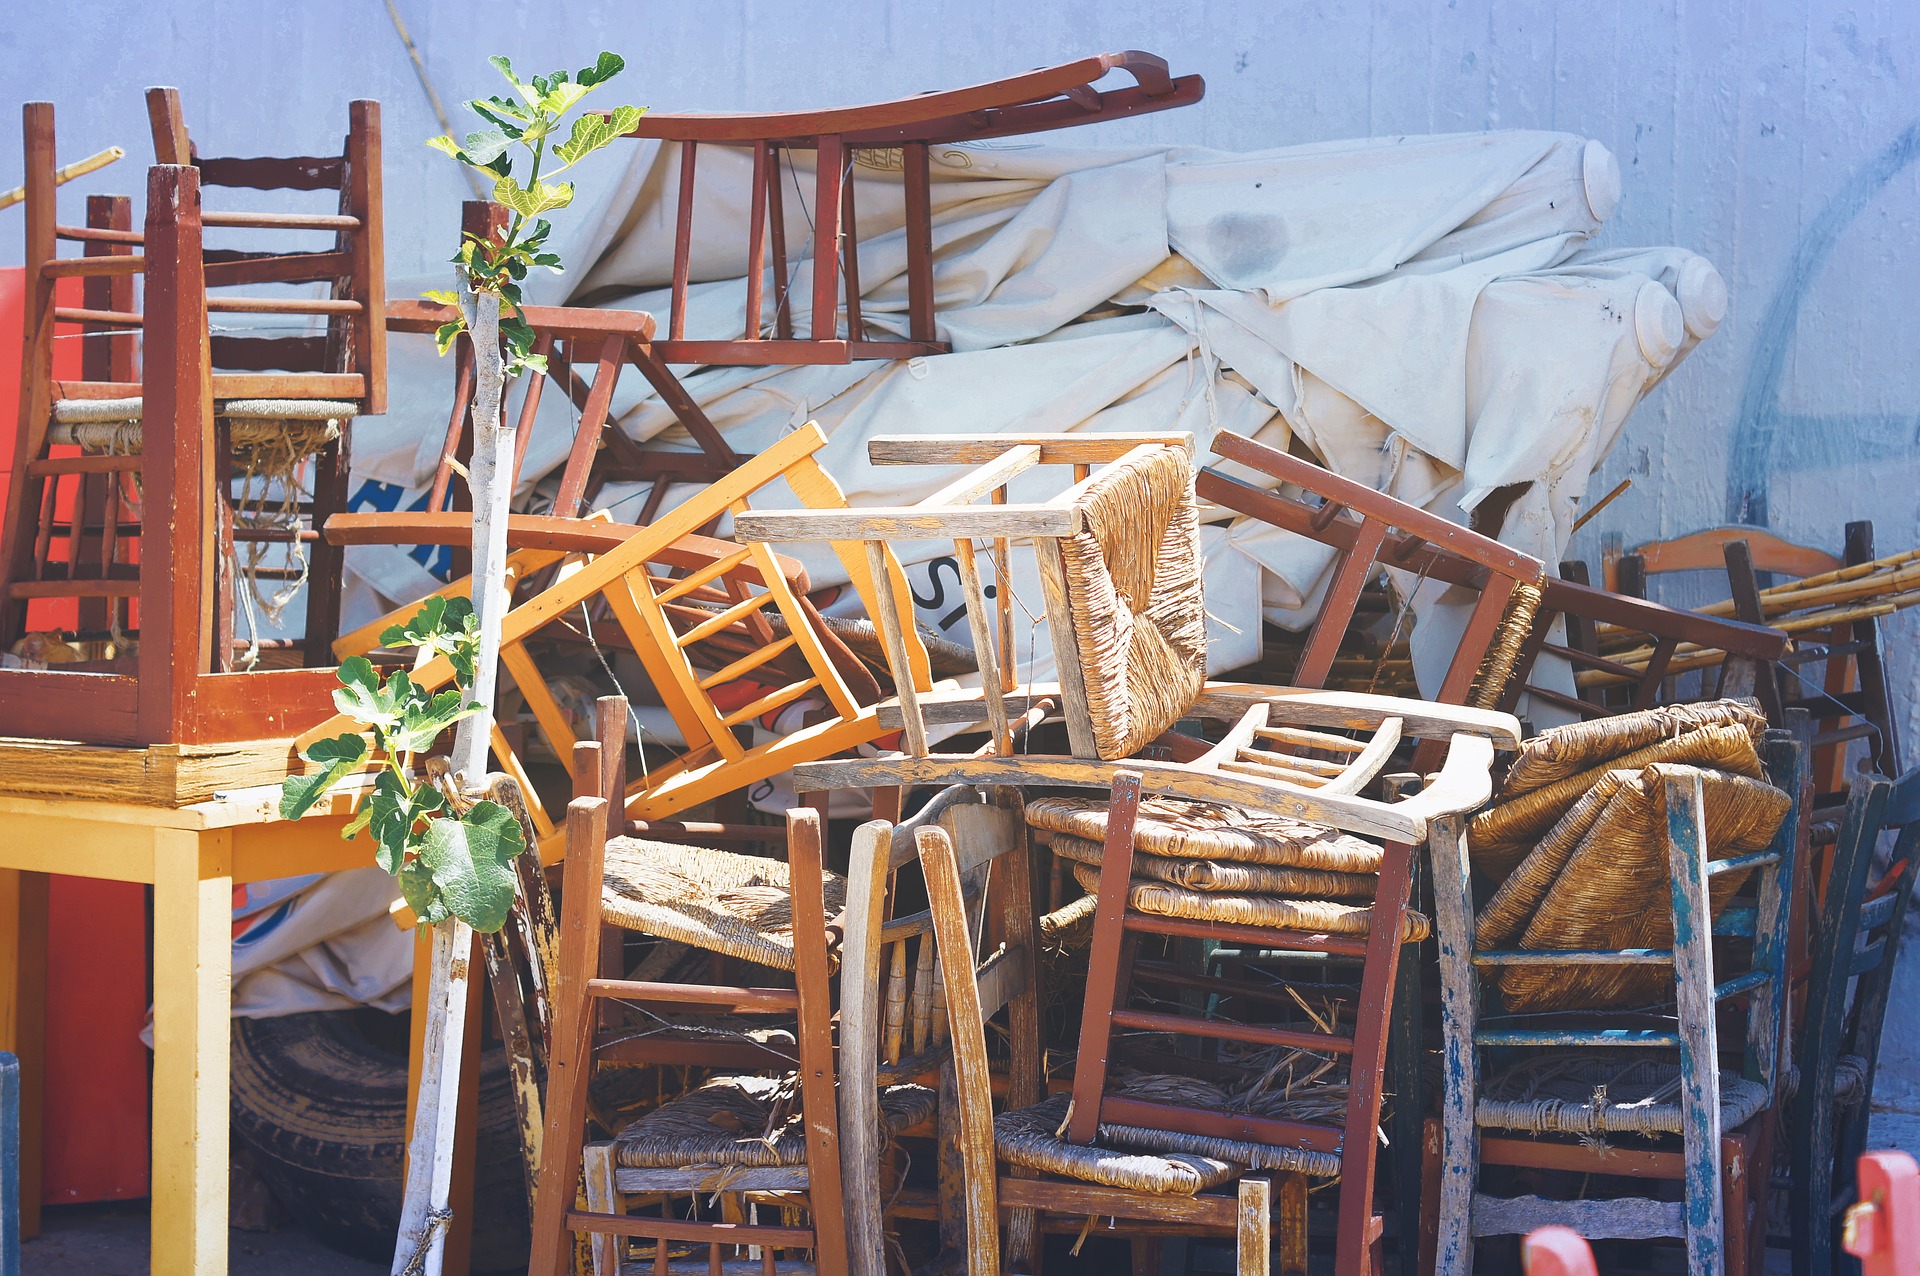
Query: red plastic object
pixel 97 1092
pixel 1883 1230
pixel 1556 1251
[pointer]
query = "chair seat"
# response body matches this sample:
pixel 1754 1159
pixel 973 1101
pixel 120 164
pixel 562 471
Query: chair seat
pixel 1165 1162
pixel 1590 1095
pixel 1175 828
pixel 745 1121
pixel 1315 916
pixel 297 426
pixel 722 901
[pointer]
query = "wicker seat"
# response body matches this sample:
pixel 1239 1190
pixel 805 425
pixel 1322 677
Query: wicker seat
pixel 745 1121
pixel 1592 1096
pixel 722 901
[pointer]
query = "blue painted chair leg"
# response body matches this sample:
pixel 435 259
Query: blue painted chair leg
pixel 9 1165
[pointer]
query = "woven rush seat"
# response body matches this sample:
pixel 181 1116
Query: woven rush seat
pixel 1500 837
pixel 1225 875
pixel 1179 829
pixel 1560 752
pixel 1160 1161
pixel 722 901
pixel 1591 1095
pixel 1133 588
pixel 747 1122
pixel 1610 894
pixel 1312 916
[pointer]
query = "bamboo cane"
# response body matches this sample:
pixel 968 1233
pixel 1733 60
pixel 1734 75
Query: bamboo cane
pixel 61 176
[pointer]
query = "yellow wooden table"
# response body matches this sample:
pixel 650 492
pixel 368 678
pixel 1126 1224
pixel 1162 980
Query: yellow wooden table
pixel 193 856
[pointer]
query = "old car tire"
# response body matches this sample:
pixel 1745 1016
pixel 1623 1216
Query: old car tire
pixel 319 1101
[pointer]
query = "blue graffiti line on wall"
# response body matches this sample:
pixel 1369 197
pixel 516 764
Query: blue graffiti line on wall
pixel 1762 429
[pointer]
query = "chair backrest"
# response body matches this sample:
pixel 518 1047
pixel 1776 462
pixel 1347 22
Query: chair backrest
pixel 1706 551
pixel 896 134
pixel 1076 567
pixel 355 340
pixel 1855 943
pixel 978 979
pixel 1371 529
pixel 651 611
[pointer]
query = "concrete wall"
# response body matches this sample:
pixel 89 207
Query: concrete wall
pixel 1777 137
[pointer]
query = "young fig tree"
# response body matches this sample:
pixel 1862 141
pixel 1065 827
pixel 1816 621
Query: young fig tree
pixel 523 126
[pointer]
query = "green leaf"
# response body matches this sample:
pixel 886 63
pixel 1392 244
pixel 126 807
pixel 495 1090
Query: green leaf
pixel 441 295
pixel 422 895
pixel 447 333
pixel 424 626
pixel 469 859
pixel 508 115
pixel 561 97
pixel 361 696
pixel 531 203
pixel 421 726
pixel 394 811
pixel 338 756
pixel 445 145
pixel 504 67
pixel 609 65
pixel 482 148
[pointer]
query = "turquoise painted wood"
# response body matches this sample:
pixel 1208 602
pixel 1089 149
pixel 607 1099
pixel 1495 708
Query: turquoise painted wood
pixel 9 1165
pixel 1700 1217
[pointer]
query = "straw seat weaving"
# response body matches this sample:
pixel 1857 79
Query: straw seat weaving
pixel 113 426
pixel 1560 752
pixel 1613 891
pixel 739 905
pixel 1313 916
pixel 1133 588
pixel 1225 875
pixel 1593 1095
pixel 1499 838
pixel 1179 829
pixel 1161 1161
pixel 749 1122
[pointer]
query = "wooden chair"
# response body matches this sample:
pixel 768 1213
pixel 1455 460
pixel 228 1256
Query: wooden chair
pixel 1372 529
pixel 1137 1185
pixel 1717 1116
pixel 897 134
pixel 1855 939
pixel 640 598
pixel 1854 680
pixel 266 423
pixel 731 1135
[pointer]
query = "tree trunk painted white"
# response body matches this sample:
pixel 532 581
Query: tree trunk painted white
pixel 424 1213
pixel 490 480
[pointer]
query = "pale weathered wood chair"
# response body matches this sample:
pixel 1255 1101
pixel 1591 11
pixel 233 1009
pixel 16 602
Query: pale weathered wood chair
pixel 639 597
pixel 1692 823
pixel 1045 1171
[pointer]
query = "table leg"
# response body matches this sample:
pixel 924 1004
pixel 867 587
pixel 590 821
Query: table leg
pixel 23 1018
pixel 192 1026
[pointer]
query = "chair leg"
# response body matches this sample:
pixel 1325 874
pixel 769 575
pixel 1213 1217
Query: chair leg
pixel 1255 1235
pixel 1103 962
pixel 597 1169
pixel 1293 1225
pixel 1736 1175
pixel 571 1062
pixel 1432 1151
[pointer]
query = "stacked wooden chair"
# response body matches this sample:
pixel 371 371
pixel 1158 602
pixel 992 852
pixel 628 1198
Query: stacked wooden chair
pixel 1855 937
pixel 1842 640
pixel 668 595
pixel 1579 940
pixel 1519 603
pixel 890 136
pixel 1118 558
pixel 79 441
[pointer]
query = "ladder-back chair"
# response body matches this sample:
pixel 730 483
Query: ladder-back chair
pixel 1701 827
pixel 268 424
pixel 653 612
pixel 978 980
pixel 1049 98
